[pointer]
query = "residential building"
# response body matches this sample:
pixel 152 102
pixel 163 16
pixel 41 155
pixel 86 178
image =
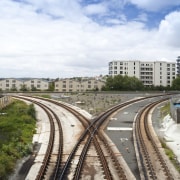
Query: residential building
pixel 157 73
pixel 178 65
pixel 38 84
pixel 10 84
pixel 78 84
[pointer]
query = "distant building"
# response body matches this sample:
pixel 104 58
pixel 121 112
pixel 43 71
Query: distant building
pixel 158 73
pixel 38 84
pixel 178 65
pixel 13 84
pixel 10 84
pixel 78 85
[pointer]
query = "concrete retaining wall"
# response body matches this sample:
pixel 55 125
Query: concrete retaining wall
pixel 4 101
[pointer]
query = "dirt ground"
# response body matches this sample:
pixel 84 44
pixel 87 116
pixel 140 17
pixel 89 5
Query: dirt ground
pixel 94 103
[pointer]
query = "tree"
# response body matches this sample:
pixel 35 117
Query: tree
pixel 23 88
pixel 176 84
pixel 51 86
pixel 124 83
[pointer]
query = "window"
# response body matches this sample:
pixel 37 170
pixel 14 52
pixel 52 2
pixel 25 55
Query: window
pixel 32 81
pixel 7 85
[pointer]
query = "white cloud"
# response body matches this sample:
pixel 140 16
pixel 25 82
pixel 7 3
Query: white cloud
pixel 154 5
pixel 36 45
pixel 169 29
pixel 92 9
pixel 142 17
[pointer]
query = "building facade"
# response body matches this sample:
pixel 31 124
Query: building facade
pixel 36 84
pixel 75 85
pixel 12 84
pixel 158 73
pixel 178 65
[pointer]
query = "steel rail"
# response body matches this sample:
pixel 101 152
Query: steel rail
pixel 51 141
pixel 92 129
pixel 147 166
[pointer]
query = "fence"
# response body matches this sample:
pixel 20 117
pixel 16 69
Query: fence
pixel 4 101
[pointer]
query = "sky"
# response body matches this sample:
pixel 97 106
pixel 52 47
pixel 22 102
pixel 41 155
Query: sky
pixel 75 38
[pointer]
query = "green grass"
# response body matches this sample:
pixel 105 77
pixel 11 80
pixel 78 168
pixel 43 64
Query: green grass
pixel 172 157
pixel 165 110
pixel 17 127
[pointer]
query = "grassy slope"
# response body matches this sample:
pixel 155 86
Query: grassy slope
pixel 17 126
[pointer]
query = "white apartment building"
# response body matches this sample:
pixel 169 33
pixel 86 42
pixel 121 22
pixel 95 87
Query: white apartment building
pixel 75 85
pixel 16 84
pixel 157 73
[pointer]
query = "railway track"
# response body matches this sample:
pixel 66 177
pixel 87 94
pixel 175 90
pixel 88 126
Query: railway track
pixel 46 167
pixel 92 130
pixel 151 161
pixel 90 134
pixel 90 138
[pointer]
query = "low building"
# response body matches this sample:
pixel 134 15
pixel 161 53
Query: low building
pixel 78 85
pixel 36 84
pixel 13 84
pixel 10 84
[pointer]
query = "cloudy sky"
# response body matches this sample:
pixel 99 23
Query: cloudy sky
pixel 68 38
